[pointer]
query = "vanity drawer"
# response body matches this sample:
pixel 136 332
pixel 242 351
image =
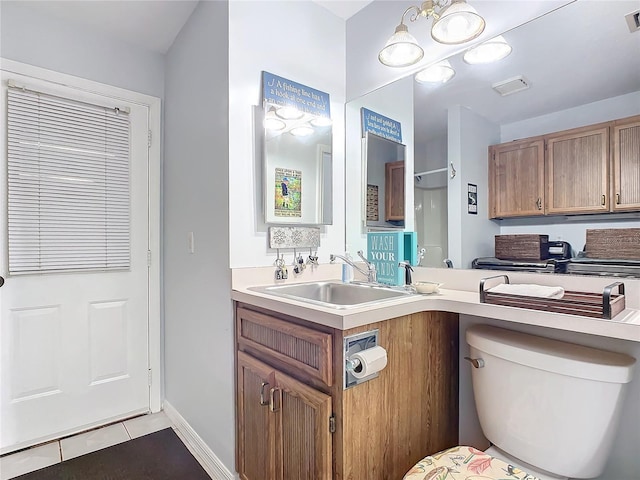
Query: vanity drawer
pixel 290 346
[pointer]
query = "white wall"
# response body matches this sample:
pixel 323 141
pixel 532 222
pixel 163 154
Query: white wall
pixel 470 236
pixel 624 463
pixel 305 43
pixel 65 47
pixel 199 346
pixel 396 102
pixel 571 229
pixel 588 114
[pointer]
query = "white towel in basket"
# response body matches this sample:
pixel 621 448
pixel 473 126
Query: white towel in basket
pixel 528 290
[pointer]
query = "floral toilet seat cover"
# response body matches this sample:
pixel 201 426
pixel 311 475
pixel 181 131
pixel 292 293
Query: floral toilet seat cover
pixel 465 463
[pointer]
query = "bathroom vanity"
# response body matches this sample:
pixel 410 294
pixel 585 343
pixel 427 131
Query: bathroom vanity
pixel 295 419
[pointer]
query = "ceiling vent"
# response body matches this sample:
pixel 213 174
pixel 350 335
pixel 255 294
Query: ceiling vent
pixel 511 85
pixel 633 21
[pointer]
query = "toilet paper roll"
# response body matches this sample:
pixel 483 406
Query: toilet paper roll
pixel 372 360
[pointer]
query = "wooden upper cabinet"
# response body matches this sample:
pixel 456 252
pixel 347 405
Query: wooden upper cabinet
pixel 394 191
pixel 626 165
pixel 516 179
pixel 577 171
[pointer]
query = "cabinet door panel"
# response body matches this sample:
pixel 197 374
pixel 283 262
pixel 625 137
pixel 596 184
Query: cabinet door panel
pixel 303 426
pixel 516 179
pixel 290 347
pixel 256 427
pixel 394 191
pixel 626 164
pixel 577 172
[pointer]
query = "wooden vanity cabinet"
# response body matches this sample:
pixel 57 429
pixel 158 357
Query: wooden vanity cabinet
pixel 296 422
pixel 283 424
pixel 516 179
pixel 578 171
pixel 625 139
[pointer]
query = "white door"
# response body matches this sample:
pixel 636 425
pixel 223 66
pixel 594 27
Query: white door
pixel 74 346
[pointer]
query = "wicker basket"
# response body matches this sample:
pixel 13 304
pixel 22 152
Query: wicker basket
pixel 522 247
pixel 618 243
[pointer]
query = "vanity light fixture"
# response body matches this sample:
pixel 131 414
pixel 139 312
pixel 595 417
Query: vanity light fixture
pixel 289 113
pixel 273 123
pixel 487 52
pixel 440 72
pixel 303 130
pixel 452 24
pixel 321 121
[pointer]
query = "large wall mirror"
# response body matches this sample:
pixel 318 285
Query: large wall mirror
pixel 384 164
pixel 297 160
pixel 579 64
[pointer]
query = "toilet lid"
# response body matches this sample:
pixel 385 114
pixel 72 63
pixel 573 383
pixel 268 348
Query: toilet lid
pixel 465 463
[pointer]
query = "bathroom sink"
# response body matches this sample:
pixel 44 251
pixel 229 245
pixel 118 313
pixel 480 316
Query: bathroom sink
pixel 334 294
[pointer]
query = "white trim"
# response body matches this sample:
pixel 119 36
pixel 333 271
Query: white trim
pixel 153 104
pixel 209 461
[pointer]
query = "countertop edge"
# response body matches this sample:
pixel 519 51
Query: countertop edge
pixel 625 326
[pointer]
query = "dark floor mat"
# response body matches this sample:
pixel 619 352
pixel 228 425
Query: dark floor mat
pixel 157 456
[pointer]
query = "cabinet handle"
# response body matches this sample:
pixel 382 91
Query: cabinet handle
pixel 617 198
pixel 272 400
pixel 604 200
pixel 263 401
pixel 539 203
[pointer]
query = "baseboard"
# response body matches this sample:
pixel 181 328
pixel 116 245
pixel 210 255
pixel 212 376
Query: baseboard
pixel 212 464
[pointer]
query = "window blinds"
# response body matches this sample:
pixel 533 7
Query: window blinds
pixel 68 185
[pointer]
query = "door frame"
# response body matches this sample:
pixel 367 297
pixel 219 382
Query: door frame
pixel 154 106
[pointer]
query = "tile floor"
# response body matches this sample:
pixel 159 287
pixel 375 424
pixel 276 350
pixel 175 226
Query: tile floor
pixel 50 453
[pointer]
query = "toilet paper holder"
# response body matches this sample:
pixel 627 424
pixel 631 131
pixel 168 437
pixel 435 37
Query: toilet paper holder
pixel 354 344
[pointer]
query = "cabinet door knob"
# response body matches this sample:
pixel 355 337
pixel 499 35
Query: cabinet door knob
pixel 539 203
pixel 604 200
pixel 263 400
pixel 272 399
pixel 617 199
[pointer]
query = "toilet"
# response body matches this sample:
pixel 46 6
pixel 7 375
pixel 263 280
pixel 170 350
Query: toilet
pixel 549 408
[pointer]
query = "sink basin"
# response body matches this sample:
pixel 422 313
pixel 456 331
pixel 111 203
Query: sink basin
pixel 334 294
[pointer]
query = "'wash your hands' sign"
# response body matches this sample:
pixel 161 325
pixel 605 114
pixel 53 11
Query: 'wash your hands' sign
pixel 386 249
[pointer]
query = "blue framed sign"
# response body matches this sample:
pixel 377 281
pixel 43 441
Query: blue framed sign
pixel 382 126
pixel 286 93
pixel 386 249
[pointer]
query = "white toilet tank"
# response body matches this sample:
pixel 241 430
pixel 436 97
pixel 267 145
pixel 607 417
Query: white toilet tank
pixel 552 404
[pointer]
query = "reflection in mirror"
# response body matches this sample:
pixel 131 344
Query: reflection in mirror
pixel 297 167
pixel 579 73
pixel 383 162
pixel 430 199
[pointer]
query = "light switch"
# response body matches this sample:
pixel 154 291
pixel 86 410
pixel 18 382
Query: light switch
pixel 191 245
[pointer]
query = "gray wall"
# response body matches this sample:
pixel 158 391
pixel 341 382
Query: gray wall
pixel 470 235
pixel 47 42
pixel 198 315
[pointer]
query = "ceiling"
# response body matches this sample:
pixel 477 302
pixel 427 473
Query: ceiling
pixel 152 25
pixel 343 9
pixel 578 54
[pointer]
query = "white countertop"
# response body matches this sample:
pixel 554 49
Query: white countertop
pixel 461 297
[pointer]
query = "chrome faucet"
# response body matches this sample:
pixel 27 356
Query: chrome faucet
pixel 370 272
pixel 407 272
